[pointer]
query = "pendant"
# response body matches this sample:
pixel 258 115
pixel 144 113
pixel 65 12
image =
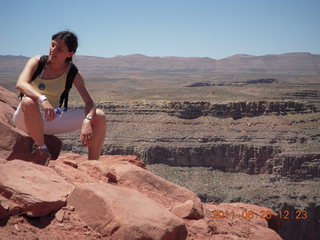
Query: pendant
pixel 41 86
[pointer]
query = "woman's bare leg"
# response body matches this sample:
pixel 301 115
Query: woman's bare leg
pixel 34 124
pixel 98 135
pixel 33 120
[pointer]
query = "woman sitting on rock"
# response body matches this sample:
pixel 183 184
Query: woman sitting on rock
pixel 39 112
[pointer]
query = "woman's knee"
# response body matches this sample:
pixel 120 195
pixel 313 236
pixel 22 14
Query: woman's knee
pixel 100 117
pixel 28 103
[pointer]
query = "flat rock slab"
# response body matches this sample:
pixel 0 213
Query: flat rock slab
pixel 122 213
pixel 160 190
pixel 31 189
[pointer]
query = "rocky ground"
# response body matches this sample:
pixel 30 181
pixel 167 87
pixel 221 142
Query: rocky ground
pixel 114 198
pixel 88 203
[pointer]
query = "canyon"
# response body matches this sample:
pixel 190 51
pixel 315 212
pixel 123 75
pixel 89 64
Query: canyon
pixel 241 129
pixel 268 155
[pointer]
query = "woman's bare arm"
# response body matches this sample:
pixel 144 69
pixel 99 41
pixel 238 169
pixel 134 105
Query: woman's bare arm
pixel 23 83
pixel 90 109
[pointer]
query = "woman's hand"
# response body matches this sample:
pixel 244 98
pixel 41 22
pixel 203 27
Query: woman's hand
pixel 86 133
pixel 49 113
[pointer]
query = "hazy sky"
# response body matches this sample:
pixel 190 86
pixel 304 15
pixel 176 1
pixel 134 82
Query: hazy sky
pixel 189 28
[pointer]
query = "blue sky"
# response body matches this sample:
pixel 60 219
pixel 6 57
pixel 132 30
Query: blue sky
pixel 188 28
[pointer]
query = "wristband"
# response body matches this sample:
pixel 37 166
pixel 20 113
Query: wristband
pixel 42 98
pixel 89 117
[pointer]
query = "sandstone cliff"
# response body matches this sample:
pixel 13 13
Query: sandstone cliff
pixel 253 137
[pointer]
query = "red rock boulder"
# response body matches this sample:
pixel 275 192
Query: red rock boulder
pixel 122 213
pixel 31 189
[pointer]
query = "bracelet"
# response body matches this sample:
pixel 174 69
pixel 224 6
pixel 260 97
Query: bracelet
pixel 42 98
pixel 89 117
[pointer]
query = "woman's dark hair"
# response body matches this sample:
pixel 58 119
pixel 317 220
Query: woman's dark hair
pixel 70 39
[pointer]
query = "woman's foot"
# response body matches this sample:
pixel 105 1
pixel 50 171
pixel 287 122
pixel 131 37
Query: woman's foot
pixel 40 156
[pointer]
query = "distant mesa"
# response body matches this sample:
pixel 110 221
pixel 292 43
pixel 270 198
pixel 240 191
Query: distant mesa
pixel 255 81
pixel 294 64
pixel 263 80
pixel 201 84
pixel 131 56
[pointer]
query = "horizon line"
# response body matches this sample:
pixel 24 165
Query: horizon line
pixel 143 55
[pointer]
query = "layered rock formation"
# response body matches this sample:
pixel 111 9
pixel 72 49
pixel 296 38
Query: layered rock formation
pixel 282 142
pixel 297 166
pixel 217 135
pixel 193 110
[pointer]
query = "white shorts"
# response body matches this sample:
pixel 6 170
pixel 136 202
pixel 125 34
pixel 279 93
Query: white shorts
pixel 69 121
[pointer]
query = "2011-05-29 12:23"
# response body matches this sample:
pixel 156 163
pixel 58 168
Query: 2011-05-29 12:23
pixel 263 214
